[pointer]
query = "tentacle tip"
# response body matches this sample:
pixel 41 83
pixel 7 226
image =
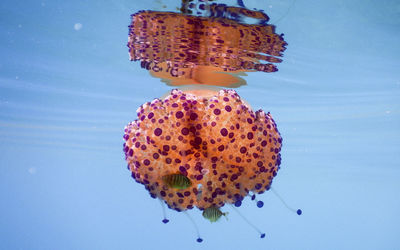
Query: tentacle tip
pixel 260 204
pixel 262 235
pixel 199 240
pixel 165 221
pixel 299 212
pixel 238 203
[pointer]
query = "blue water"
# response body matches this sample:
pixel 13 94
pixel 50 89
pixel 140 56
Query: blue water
pixel 67 89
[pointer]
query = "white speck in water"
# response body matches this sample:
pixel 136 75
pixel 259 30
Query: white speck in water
pixel 32 170
pixel 19 25
pixel 387 111
pixel 43 4
pixel 78 26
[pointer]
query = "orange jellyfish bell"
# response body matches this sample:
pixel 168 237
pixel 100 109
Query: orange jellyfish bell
pixel 184 49
pixel 197 149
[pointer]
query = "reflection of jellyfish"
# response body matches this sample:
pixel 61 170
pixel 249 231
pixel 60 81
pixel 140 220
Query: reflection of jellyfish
pixel 213 50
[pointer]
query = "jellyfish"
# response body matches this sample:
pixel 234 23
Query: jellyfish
pixel 202 148
pixel 215 49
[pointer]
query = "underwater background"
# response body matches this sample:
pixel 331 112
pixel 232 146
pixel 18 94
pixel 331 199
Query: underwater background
pixel 67 89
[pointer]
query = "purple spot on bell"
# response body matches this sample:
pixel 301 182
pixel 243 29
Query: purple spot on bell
pixel 224 132
pixel 179 114
pixel 193 116
pixel 158 131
